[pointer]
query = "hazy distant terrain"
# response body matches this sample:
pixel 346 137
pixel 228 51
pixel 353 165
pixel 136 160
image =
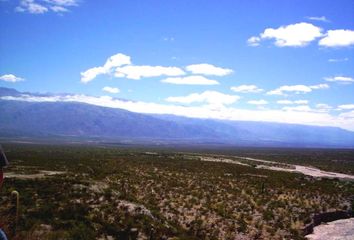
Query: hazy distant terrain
pixel 73 119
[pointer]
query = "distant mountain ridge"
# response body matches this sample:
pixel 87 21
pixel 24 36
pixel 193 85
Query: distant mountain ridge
pixel 43 119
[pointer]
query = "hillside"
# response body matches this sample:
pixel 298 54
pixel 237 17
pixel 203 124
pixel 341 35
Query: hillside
pixel 73 119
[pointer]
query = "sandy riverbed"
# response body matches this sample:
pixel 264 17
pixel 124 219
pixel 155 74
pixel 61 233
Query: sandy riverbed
pixel 309 171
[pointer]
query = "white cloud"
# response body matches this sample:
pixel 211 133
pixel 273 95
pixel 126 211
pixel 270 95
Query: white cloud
pixel 340 79
pixel 247 89
pixel 320 108
pixel 293 35
pixel 346 107
pixel 112 62
pixel 168 39
pixel 333 60
pixel 111 89
pixel 323 107
pixel 298 116
pixel 31 6
pixel 254 41
pixel 294 88
pixel 92 73
pixel 40 7
pixel 209 97
pixel 63 2
pixel 117 60
pixel 289 102
pixel 120 66
pixel 338 38
pixel 297 89
pixel 11 78
pixel 348 115
pixel 58 9
pixel 301 101
pixel 258 102
pixel 30 98
pixel 138 72
pixel 208 69
pixel 321 19
pixel 190 80
pixel 285 102
pixel 300 108
pixel 320 86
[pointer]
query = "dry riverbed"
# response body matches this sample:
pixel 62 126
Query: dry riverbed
pixel 40 174
pixel 260 163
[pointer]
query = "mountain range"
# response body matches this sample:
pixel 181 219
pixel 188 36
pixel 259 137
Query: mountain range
pixel 73 119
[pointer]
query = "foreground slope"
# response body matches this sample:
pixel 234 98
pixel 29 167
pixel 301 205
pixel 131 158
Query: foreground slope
pixel 88 192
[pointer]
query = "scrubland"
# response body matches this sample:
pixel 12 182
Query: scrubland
pixel 88 192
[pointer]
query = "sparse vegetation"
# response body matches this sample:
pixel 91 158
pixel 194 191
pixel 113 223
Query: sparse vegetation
pixel 110 193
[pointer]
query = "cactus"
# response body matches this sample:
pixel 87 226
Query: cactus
pixel 263 187
pixel 15 195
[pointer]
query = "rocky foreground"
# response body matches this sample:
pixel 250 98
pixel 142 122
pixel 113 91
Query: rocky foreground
pixel 337 230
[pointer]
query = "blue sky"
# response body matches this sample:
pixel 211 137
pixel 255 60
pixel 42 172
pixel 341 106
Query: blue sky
pixel 287 61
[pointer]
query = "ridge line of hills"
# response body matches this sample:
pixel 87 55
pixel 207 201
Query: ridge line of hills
pixel 74 119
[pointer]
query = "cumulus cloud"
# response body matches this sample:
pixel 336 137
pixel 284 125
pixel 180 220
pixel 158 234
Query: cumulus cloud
pixel 302 115
pixel 258 102
pixel 138 72
pixel 208 97
pixel 111 89
pixel 112 62
pixel 339 79
pixel 293 35
pixel 247 89
pixel 289 102
pixel 297 89
pixel 321 19
pixel 190 80
pixel 346 107
pixel 338 38
pixel 208 69
pixel 43 6
pixel 120 65
pixel 11 78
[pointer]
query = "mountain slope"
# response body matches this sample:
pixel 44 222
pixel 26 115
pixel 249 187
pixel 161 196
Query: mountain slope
pixel 277 134
pixel 78 119
pixel 44 119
